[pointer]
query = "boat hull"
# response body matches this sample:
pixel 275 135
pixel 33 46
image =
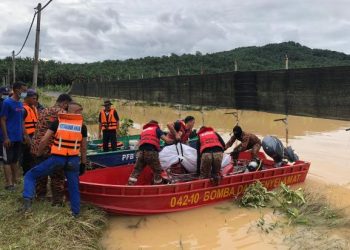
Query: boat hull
pixel 156 199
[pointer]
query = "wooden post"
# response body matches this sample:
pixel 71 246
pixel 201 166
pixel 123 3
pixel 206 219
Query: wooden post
pixel 159 74
pixel 36 51
pixel 178 71
pixel 13 66
pixel 236 66
pixel 286 61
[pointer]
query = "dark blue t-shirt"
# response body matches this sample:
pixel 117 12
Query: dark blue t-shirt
pixel 13 111
pixel 1 137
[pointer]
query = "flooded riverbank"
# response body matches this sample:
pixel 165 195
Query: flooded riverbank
pixel 324 143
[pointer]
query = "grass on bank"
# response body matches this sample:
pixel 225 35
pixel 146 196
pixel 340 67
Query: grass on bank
pixel 48 227
pixel 56 88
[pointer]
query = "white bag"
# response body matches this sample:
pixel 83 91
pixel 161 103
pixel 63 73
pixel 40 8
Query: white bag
pixel 226 159
pixel 172 154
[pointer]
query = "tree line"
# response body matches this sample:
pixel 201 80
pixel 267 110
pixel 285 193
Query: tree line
pixel 268 57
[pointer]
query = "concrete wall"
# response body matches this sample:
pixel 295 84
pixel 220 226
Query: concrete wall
pixel 319 92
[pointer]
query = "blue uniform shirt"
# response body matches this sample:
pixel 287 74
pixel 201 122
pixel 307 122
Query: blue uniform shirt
pixel 1 137
pixel 13 111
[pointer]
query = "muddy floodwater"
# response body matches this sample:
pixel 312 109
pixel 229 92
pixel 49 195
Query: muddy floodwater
pixel 324 143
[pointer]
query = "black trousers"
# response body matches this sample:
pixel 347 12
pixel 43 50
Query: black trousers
pixel 109 136
pixel 27 160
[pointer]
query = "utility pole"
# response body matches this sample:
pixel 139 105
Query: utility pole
pixel 8 77
pixel 36 52
pixel 13 66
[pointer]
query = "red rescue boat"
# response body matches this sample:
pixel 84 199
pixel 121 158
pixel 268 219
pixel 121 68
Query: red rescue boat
pixel 106 188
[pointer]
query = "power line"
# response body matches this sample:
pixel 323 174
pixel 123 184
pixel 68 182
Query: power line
pixel 30 28
pixel 46 4
pixel 25 41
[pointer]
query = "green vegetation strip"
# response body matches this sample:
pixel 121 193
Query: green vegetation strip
pixel 299 206
pixel 47 227
pixel 268 57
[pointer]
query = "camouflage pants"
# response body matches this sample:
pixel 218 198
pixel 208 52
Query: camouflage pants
pixel 143 159
pixel 211 165
pixel 57 185
pixel 254 150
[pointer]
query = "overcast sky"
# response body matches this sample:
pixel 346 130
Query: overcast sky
pixel 96 30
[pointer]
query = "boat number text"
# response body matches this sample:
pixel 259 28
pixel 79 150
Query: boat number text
pixel 223 193
pixel 128 157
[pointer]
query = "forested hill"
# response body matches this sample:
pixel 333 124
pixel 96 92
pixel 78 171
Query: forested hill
pixel 267 57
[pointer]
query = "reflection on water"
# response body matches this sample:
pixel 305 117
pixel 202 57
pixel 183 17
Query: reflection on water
pixel 224 226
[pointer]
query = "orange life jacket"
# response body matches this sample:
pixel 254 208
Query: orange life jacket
pixel 68 136
pixel 109 123
pixel 185 133
pixel 31 119
pixel 208 139
pixel 149 135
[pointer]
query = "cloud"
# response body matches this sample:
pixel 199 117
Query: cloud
pixel 92 30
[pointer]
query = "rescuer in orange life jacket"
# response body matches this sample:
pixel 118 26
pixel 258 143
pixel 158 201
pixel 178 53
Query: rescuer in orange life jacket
pixel 180 130
pixel 109 123
pixel 148 152
pixel 68 152
pixel 210 150
pixel 248 142
pixel 30 122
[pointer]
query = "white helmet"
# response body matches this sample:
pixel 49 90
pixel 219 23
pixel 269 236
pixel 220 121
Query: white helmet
pixel 252 166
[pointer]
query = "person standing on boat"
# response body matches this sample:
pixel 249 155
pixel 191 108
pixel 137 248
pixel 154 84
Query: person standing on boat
pixel 46 117
pixel 248 142
pixel 148 152
pixel 30 122
pixel 69 141
pixel 108 124
pixel 210 149
pixel 180 130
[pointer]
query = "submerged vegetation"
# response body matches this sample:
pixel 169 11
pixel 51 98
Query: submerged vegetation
pixel 299 206
pixel 305 218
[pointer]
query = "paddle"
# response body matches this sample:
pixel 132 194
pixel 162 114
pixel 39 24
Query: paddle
pixel 285 121
pixel 235 114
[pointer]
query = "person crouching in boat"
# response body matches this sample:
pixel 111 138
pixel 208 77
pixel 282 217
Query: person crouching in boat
pixel 69 141
pixel 180 130
pixel 210 149
pixel 248 142
pixel 147 154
